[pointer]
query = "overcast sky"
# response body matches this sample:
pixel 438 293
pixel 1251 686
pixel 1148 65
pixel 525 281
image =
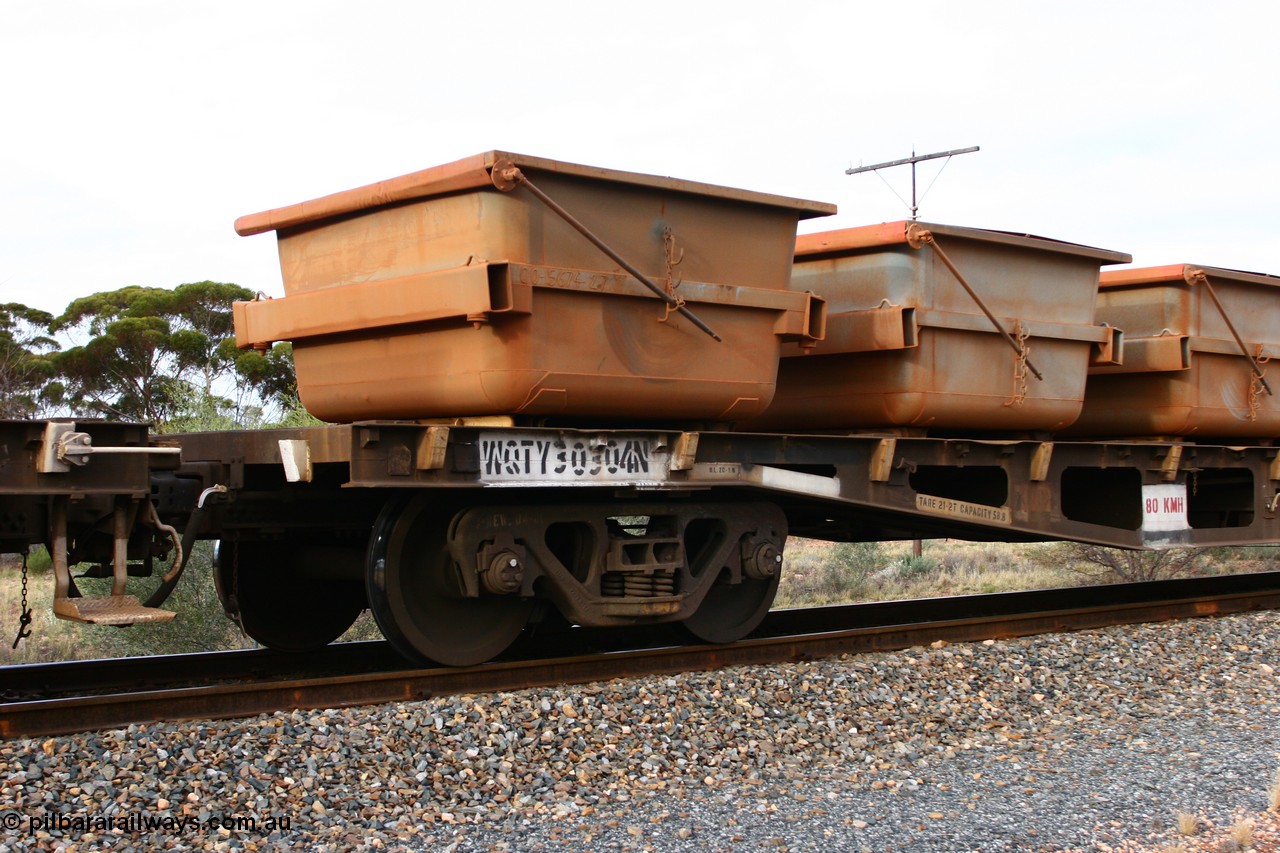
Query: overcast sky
pixel 134 133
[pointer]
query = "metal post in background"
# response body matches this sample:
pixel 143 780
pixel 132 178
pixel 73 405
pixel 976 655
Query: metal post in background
pixel 912 160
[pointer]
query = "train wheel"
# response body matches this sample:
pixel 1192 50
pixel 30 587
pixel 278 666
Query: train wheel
pixel 414 594
pixel 263 590
pixel 731 611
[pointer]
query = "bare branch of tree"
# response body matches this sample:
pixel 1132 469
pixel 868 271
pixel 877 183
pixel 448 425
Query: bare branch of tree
pixel 1117 564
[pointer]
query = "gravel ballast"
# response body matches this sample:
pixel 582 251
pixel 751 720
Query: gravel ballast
pixel 1096 740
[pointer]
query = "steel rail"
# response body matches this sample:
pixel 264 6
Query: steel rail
pixel 802 635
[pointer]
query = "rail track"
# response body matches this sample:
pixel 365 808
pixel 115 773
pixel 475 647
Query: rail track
pixel 61 698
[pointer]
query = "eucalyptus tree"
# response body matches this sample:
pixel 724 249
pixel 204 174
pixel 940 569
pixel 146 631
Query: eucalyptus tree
pixel 26 362
pixel 146 353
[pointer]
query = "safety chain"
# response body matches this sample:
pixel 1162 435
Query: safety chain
pixel 917 238
pixel 672 261
pixel 1200 277
pixel 1021 335
pixel 235 573
pixel 669 249
pixel 1257 383
pixel 24 621
pixel 506 176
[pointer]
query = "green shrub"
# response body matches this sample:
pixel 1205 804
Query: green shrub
pixel 818 573
pixel 912 567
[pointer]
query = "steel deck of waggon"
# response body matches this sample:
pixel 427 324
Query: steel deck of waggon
pixel 1133 494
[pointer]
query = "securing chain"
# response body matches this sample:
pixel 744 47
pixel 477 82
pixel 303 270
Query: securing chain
pixel 1257 383
pixel 672 261
pixel 917 238
pixel 235 572
pixel 1019 394
pixel 506 176
pixel 24 620
pixel 1200 277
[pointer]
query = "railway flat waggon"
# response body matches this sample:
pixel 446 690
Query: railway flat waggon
pixel 554 387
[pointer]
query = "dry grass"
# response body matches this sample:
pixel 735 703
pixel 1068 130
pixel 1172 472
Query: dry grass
pixel 1241 833
pixel 199 626
pixel 51 639
pixel 817 573
pixel 1188 824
